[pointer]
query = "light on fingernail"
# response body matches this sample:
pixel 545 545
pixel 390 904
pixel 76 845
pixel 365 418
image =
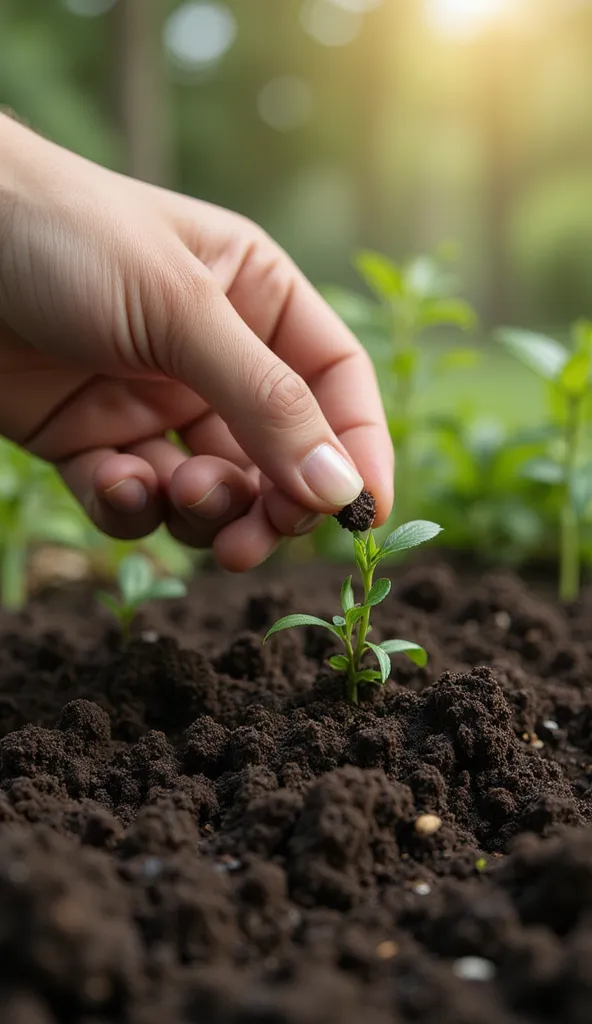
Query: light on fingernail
pixel 128 495
pixel 214 504
pixel 331 476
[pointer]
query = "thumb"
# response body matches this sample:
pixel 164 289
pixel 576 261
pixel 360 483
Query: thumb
pixel 269 409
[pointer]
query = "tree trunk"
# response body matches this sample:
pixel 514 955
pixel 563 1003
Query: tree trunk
pixel 144 107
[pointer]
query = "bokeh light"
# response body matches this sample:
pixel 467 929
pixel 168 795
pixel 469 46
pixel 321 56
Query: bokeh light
pixel 465 18
pixel 330 23
pixel 285 103
pixel 89 8
pixel 199 34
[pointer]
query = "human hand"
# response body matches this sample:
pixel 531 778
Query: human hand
pixel 126 312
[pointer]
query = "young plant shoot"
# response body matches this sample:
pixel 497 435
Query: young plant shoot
pixel 352 627
pixel 137 585
pixel 568 371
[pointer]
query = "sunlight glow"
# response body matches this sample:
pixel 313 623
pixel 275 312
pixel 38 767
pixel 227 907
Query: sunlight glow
pixel 463 19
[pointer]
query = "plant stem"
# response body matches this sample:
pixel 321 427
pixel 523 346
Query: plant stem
pixel 364 623
pixel 569 571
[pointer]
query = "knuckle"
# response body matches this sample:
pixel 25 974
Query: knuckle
pixel 284 395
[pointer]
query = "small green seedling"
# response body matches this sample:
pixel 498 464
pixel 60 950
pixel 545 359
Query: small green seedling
pixel 352 627
pixel 137 585
pixel 568 372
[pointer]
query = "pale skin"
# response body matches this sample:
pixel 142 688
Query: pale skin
pixel 127 312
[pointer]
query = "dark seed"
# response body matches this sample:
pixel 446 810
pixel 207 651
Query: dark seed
pixel 359 515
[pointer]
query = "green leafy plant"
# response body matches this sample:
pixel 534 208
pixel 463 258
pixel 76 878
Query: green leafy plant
pixel 138 584
pixel 567 371
pixel 353 626
pixel 35 509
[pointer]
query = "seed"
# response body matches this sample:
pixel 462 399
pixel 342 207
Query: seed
pixel 550 725
pixel 152 867
pixel 474 968
pixel 149 636
pixel 537 744
pixel 387 950
pixel 359 515
pixel 422 889
pixel 427 824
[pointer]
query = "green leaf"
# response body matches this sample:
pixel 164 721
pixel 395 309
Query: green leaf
pixel 382 276
pixel 338 620
pixel 347 595
pixel 409 535
pixel 354 614
pixel 110 602
pixel 135 577
pixel 543 471
pixel 360 553
pixel 453 312
pixel 575 376
pixel 339 662
pixel 405 363
pixel 371 547
pixel 356 310
pixel 415 652
pixel 378 591
pixel 581 490
pixel 458 359
pixel 168 587
pixel 290 621
pixel 368 675
pixel 545 356
pixel 582 336
pixel 383 660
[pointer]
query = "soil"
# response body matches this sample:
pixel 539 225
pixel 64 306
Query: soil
pixel 199 829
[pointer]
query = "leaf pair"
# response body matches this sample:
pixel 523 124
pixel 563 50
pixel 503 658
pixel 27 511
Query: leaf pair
pixel 138 584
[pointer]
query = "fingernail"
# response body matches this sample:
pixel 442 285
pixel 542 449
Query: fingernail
pixel 331 476
pixel 128 495
pixel 308 523
pixel 213 504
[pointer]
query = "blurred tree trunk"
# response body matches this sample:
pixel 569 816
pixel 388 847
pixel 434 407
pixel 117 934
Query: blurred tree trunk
pixel 144 92
pixel 372 101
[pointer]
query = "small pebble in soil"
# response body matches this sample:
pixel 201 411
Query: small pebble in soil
pixel 502 620
pixel 427 824
pixel 387 950
pixel 422 889
pixel 152 867
pixel 537 744
pixel 18 873
pixel 474 968
pixel 227 863
pixel 359 515
pixel 550 725
pixel 149 636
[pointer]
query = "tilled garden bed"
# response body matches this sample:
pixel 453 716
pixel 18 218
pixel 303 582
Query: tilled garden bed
pixel 199 829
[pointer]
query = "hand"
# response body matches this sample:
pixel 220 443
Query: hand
pixel 127 312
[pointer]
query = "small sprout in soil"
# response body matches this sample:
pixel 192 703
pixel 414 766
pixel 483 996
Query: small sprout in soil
pixel 474 968
pixel 137 585
pixel 352 625
pixel 387 950
pixel 427 824
pixel 480 864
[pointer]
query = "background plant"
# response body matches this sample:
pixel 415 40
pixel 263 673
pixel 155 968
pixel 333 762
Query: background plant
pixel 353 626
pixel 409 299
pixel 137 585
pixel 566 465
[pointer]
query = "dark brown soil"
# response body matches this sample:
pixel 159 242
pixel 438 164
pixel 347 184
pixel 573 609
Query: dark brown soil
pixel 199 829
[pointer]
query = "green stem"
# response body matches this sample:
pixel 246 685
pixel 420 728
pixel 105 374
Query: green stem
pixel 13 575
pixel 569 570
pixel 364 623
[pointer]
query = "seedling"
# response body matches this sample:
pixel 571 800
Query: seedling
pixel 353 626
pixel 568 372
pixel 137 585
